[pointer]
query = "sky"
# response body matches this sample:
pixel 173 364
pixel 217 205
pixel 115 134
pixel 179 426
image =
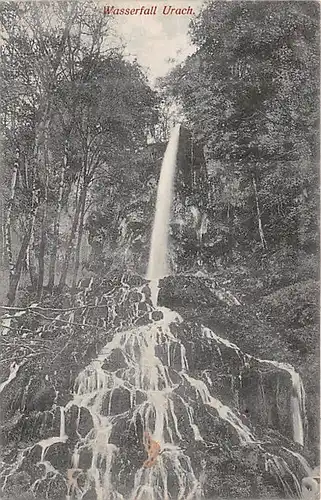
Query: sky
pixel 156 39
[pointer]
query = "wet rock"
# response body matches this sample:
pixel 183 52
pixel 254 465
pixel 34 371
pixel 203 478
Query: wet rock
pixel 175 377
pixel 59 456
pixel 260 395
pixel 143 320
pixel 185 431
pixel 146 290
pixel 161 352
pixel 119 431
pixel 157 315
pixel 71 418
pixel 33 427
pixel 129 458
pixel 173 480
pixel 85 458
pixel 143 307
pixel 186 391
pixel 214 429
pixel 10 456
pixel 135 280
pixel 91 351
pixel 266 395
pixel 10 431
pixel 128 437
pixel 34 455
pixel 56 421
pixel 90 494
pixel 57 487
pixel 115 361
pixel 17 484
pixel 41 398
pixel 85 422
pixel 116 402
pixel 176 356
pixel 63 397
pixel 124 469
pixel 140 397
pixel 135 296
pixel 34 471
pixel 46 424
pixel 221 385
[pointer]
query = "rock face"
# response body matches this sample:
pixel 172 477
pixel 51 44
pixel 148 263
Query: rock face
pixel 123 240
pixel 200 299
pixel 229 424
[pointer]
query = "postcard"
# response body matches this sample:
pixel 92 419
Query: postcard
pixel 159 250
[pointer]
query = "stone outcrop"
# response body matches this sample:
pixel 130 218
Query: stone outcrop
pixel 229 422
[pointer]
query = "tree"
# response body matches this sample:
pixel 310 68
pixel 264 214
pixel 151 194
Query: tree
pixel 250 92
pixel 73 105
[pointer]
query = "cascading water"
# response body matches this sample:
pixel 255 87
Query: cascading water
pixel 151 395
pixel 142 382
pixel 297 401
pixel 157 267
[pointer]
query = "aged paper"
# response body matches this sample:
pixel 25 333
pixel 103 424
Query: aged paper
pixel 159 320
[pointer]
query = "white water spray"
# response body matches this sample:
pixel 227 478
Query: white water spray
pixel 297 400
pixel 157 267
pixel 153 388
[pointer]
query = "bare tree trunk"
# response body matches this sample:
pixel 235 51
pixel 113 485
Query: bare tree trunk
pixel 79 239
pixel 16 268
pixel 260 226
pixel 43 235
pixel 31 264
pixel 15 276
pixel 7 228
pixel 53 255
pixel 75 224
pixel 42 251
pixel 21 259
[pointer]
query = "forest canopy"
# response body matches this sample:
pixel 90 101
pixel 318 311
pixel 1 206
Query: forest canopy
pixel 77 114
pixel 250 93
pixel 73 113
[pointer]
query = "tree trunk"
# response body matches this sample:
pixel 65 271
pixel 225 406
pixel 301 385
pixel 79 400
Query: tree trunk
pixel 41 255
pixel 43 235
pixel 21 259
pixel 260 226
pixel 78 246
pixel 53 255
pixel 15 276
pixel 65 266
pixel 7 227
pixel 31 265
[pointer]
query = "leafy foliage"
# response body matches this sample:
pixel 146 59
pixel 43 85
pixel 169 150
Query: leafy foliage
pixel 250 93
pixel 74 112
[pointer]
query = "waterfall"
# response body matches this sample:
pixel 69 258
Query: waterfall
pixel 297 400
pixel 144 381
pixel 157 267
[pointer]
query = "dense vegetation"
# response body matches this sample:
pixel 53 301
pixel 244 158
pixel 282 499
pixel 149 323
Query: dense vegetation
pixel 250 93
pixel 73 113
pixel 75 118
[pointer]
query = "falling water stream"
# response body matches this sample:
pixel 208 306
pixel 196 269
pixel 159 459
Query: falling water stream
pixel 157 267
pixel 150 391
